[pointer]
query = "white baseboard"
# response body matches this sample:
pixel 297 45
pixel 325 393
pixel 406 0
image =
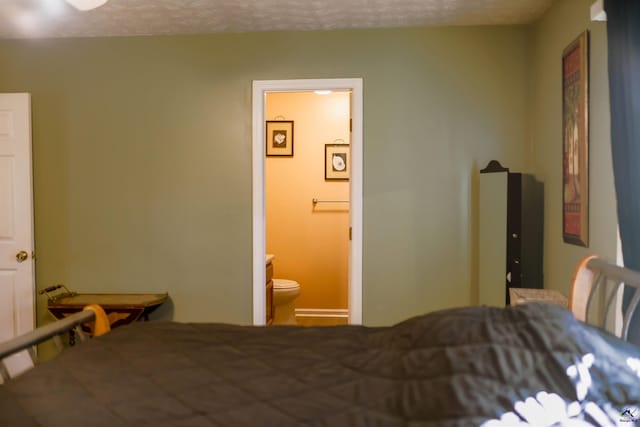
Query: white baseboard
pixel 322 312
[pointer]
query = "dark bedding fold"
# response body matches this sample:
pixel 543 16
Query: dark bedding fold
pixel 458 367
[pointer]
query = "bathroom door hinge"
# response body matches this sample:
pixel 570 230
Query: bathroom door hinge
pixel 350 233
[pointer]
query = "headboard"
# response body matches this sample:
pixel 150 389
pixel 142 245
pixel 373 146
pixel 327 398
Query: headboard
pixel 594 277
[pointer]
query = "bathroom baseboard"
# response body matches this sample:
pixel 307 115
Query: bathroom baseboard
pixel 322 312
pixel 322 316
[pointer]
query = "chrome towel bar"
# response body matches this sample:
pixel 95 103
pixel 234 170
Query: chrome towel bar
pixel 328 201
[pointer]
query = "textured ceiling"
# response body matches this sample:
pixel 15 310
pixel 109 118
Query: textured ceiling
pixel 55 18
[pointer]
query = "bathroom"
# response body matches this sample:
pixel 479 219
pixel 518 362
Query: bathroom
pixel 307 205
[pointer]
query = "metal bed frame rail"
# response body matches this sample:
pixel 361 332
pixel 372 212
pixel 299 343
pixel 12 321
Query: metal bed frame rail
pixel 43 333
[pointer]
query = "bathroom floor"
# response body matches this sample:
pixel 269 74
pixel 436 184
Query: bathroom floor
pixel 321 321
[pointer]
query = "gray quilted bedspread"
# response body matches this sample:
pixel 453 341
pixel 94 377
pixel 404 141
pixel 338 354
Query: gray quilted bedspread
pixel 458 367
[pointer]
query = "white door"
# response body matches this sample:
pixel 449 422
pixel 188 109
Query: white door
pixel 17 299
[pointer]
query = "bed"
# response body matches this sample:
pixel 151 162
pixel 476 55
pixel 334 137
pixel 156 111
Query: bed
pixel 532 364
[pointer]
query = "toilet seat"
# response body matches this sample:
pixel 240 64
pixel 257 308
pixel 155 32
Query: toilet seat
pixel 285 284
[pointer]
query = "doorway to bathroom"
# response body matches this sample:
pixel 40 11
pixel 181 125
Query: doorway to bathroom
pixel 307 195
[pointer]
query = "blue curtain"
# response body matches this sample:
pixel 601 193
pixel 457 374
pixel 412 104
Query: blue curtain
pixel 623 32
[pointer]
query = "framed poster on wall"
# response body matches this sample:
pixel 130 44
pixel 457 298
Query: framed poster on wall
pixel 279 138
pixel 336 162
pixel 575 141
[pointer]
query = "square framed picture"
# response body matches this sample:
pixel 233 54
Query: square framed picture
pixel 336 162
pixel 279 134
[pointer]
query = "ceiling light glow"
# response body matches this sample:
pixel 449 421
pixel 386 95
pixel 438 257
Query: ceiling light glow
pixel 27 23
pixel 85 5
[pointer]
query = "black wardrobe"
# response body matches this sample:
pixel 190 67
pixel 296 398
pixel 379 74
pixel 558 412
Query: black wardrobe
pixel 511 233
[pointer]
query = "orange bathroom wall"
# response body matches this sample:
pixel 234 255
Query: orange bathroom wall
pixel 310 243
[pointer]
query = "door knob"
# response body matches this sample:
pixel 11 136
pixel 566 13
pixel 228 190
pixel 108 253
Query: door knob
pixel 22 256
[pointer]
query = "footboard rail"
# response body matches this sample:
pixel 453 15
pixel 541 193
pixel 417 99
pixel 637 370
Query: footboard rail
pixel 44 333
pixel 91 314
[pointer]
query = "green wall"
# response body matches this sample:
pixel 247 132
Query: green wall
pixel 142 157
pixel 561 25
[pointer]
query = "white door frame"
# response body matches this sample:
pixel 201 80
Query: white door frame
pixel 260 89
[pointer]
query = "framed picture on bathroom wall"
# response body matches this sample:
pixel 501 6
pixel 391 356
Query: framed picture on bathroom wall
pixel 279 138
pixel 336 162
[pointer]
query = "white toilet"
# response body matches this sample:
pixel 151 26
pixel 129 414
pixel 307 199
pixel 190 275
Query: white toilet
pixel 284 293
